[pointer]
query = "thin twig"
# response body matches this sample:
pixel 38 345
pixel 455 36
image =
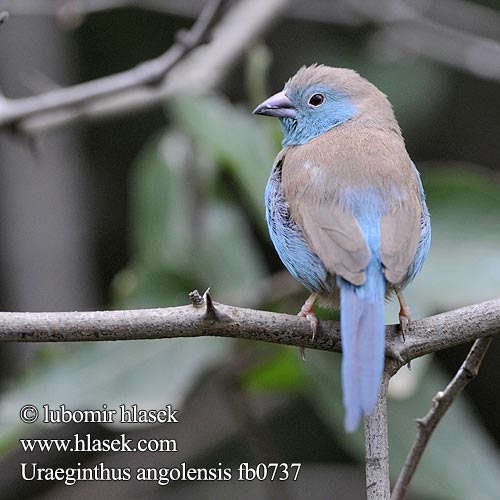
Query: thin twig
pixel 445 44
pixel 469 16
pixel 459 13
pixel 149 72
pixel 440 404
pixel 64 10
pixel 79 7
pixel 199 72
pixel 405 29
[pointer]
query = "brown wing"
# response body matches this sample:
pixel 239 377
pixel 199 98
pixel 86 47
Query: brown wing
pixel 334 234
pixel 315 173
pixel 311 189
pixel 399 235
pixel 336 237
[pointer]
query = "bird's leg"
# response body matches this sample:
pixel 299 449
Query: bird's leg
pixel 404 313
pixel 307 311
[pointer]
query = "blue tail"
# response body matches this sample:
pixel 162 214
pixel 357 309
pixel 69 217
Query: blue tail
pixel 363 339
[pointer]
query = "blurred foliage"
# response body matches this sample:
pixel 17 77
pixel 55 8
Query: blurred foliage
pixel 184 233
pixel 281 373
pixel 197 221
pixel 461 461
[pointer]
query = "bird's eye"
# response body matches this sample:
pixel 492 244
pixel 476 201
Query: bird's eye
pixel 316 100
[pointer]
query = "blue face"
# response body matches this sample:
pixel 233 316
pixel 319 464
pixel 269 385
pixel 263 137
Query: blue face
pixel 319 108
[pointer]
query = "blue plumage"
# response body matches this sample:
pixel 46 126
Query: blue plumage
pixel 424 242
pixel 363 331
pixel 362 315
pixel 311 122
pixel 346 209
pixel 302 263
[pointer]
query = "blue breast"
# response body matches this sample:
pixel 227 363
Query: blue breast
pixel 424 242
pixel 302 263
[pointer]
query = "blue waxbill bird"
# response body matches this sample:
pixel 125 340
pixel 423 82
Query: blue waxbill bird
pixel 346 212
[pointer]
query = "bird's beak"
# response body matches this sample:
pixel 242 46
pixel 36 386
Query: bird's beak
pixel 277 105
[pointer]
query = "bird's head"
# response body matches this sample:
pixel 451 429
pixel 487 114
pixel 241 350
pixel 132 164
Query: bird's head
pixel 318 98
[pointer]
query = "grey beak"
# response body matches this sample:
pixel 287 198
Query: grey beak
pixel 277 105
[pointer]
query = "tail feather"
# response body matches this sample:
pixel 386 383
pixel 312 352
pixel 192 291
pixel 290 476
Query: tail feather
pixel 363 333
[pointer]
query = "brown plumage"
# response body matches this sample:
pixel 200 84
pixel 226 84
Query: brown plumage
pixel 358 154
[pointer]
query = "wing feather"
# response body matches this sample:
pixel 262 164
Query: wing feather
pixel 399 235
pixel 316 178
pixel 335 236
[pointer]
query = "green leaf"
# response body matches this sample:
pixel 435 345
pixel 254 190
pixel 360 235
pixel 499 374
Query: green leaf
pixel 257 67
pixel 185 237
pixel 284 372
pixel 162 208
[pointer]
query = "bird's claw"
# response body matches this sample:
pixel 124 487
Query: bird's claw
pixel 313 320
pixel 307 311
pixel 404 323
pixel 404 315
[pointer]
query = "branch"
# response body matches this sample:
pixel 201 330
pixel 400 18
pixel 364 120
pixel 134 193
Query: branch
pixel 457 33
pixel 445 44
pixel 440 404
pixel 447 330
pixel 134 89
pixel 207 318
pixel 62 8
pixel 405 27
pixel 378 485
pixel 72 13
pixel 203 318
pixel 151 71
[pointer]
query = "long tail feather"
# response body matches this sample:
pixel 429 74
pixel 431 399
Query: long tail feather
pixel 363 332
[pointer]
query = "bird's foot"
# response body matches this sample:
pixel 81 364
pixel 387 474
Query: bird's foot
pixel 307 311
pixel 404 315
pixel 404 318
pixel 404 323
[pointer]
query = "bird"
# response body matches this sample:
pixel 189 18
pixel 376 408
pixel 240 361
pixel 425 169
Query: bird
pixel 346 212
